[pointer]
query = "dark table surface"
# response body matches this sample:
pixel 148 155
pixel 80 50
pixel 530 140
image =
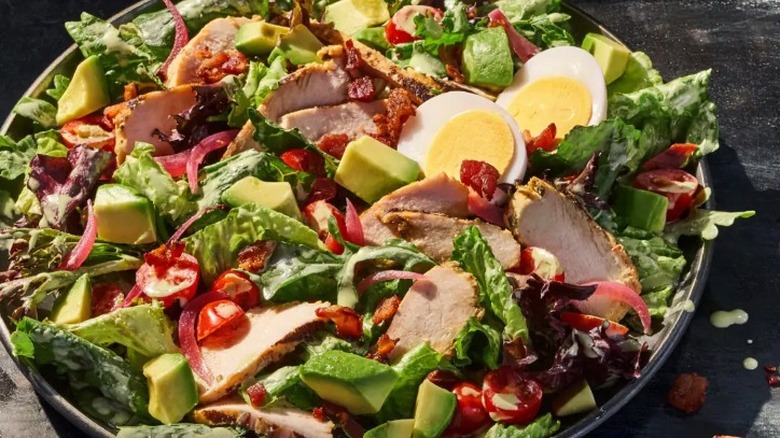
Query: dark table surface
pixel 739 39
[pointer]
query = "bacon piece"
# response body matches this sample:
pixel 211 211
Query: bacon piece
pixel 386 309
pixel 381 350
pixel 688 392
pixel 257 394
pixel 480 176
pixel 399 108
pixel 340 417
pixel 361 89
pixel 254 257
pixel 130 91
pixel 354 60
pixel 544 141
pixel 216 66
pixel 334 144
pixel 349 324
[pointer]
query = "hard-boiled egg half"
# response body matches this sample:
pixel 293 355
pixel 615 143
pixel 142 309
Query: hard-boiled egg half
pixel 457 126
pixel 562 85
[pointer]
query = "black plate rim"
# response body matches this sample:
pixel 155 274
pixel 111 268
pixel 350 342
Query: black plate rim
pixel 692 287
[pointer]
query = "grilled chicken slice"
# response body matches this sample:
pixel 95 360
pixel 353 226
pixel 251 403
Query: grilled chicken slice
pixel 275 422
pixel 436 194
pixel 433 233
pixel 435 311
pixel 217 36
pixel 539 215
pixel 140 118
pixel 244 141
pixel 313 85
pixel 351 118
pixel 267 334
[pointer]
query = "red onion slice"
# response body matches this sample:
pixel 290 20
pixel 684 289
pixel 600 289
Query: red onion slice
pixel 180 39
pixel 378 277
pixel 200 150
pixel 354 228
pixel 175 164
pixel 607 292
pixel 134 293
pixel 187 335
pixel 523 48
pixel 80 252
pixel 188 223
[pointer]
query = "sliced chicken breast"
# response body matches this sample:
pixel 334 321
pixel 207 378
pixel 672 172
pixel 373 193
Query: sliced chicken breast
pixel 216 36
pixel 351 118
pixel 539 215
pixel 435 194
pixel 435 311
pixel 146 114
pixel 244 141
pixel 313 85
pixel 267 334
pixel 275 422
pixel 433 233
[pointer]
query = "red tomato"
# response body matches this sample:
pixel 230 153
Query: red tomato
pixel 470 416
pixel 322 189
pixel 677 185
pixel 539 261
pixel 94 130
pixel 169 275
pixel 544 141
pixel 216 315
pixel 304 160
pixel 587 323
pixel 401 28
pixel 509 399
pixel 676 157
pixel 317 214
pixel 106 297
pixel 237 285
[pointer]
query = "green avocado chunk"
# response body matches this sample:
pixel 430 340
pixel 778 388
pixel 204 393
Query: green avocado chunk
pixel 433 410
pixel 258 38
pixel 611 55
pixel 300 46
pixel 487 59
pixel 172 389
pixel 575 399
pixel 641 208
pixel 358 384
pixel 371 169
pixel 392 429
pixel 352 16
pixel 86 93
pixel 75 305
pixel 124 216
pixel 274 195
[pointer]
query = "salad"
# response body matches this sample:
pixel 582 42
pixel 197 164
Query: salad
pixel 349 218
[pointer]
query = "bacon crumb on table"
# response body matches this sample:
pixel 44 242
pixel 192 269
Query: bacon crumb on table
pixel 688 392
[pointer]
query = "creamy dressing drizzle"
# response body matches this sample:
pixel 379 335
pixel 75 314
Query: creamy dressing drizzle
pixel 750 363
pixel 723 319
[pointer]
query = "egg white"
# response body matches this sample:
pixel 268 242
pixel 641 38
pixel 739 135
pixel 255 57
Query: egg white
pixel 569 62
pixel 420 130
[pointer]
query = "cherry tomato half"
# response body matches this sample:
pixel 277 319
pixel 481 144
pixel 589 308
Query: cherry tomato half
pixel 470 416
pixel 401 28
pixel 677 185
pixel 169 275
pixel 317 214
pixel 94 130
pixel 304 160
pixel 106 297
pixel 238 287
pixel 676 157
pixel 217 315
pixel 509 399
pixel 587 323
pixel 539 261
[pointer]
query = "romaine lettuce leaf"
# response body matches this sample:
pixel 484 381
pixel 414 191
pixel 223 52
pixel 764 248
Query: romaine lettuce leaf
pixel 516 10
pixel 704 223
pixel 260 81
pixel 474 255
pixel 411 368
pixel 299 273
pixel 180 430
pixel 59 85
pixel 15 157
pixel 639 74
pixel 542 427
pixel 49 144
pixel 658 262
pixel 284 383
pixel 39 111
pixel 477 342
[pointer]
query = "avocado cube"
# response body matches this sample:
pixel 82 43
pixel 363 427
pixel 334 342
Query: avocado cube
pixel 352 16
pixel 392 429
pixel 370 169
pixel 641 208
pixel 258 38
pixel 433 410
pixel 573 400
pixel 86 93
pixel 124 216
pixel 300 46
pixel 611 55
pixel 75 305
pixel 172 389
pixel 358 384
pixel 487 59
pixel 277 196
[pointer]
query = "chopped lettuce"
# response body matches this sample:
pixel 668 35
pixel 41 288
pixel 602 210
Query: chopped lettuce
pixel 92 402
pixel 180 430
pixel 477 342
pixel 451 30
pixel 300 273
pixel 639 74
pixel 260 81
pixel 59 85
pixel 216 246
pixel 542 427
pixel 474 255
pixel 49 144
pixel 412 368
pixel 704 223
pixel 144 329
pixel 14 157
pixel 284 383
pixel 658 262
pixel 516 10
pixel 39 111
pixel 540 21
pixel 82 363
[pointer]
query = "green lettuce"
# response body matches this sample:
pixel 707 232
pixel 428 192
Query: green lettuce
pixel 180 430
pixel 39 111
pixel 59 85
pixel 542 427
pixel 216 246
pixel 704 223
pixel 300 273
pixel 659 263
pixel 15 157
pixel 284 383
pixel 412 368
pixel 474 255
pixel 516 10
pixel 49 144
pixel 639 74
pixel 91 401
pixel 260 81
pixel 477 342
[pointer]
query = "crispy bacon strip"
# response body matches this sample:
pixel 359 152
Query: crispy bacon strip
pixel 254 257
pixel 216 66
pixel 349 324
pixel 386 309
pixel 380 351
pixel 399 108
pixel 688 393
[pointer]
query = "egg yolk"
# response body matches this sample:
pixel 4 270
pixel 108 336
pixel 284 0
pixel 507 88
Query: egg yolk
pixel 472 135
pixel 559 100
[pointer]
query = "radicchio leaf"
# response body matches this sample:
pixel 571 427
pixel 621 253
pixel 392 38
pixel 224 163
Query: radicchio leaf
pixel 192 125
